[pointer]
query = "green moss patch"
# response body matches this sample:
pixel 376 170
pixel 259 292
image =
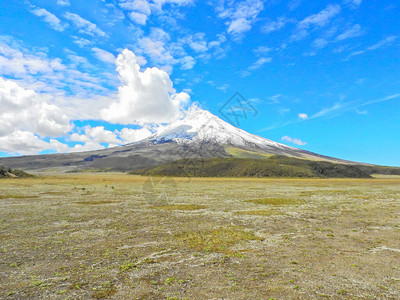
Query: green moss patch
pixel 215 240
pixel 275 201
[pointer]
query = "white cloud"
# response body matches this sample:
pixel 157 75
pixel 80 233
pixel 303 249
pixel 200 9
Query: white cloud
pixel 293 140
pixel 134 135
pixel 322 18
pixel 361 112
pixel 259 63
pixel 351 32
pixel 262 50
pixel 26 117
pixel 385 42
pixel 104 55
pixel 328 110
pixel 354 4
pixel 63 2
pixel 388 98
pixel 81 42
pixel 320 43
pixel 276 25
pixel 138 18
pixel 16 63
pixel 303 116
pixel 49 18
pixel 26 110
pixel 241 15
pixel 160 3
pixel 165 54
pixel 187 62
pixel 155 46
pixel 293 4
pixel 275 98
pixel 84 25
pixel 141 6
pixel 89 146
pixel 96 135
pixel 22 142
pixel 197 42
pixel 139 11
pixel 144 97
pixel 223 87
pixel 44 74
pixel 299 35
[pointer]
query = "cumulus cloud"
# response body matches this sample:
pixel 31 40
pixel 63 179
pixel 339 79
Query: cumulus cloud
pixel 26 110
pixel 25 142
pixel 104 55
pixel 84 25
pixel 96 135
pixel 303 116
pixel 26 117
pixel 49 18
pixel 89 146
pixel 293 140
pixel 134 135
pixel 145 96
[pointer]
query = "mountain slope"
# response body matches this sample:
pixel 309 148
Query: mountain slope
pixel 200 134
pixel 10 173
pixel 200 127
pixel 274 166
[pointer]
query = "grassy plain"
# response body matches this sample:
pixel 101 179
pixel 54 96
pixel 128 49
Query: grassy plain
pixel 118 236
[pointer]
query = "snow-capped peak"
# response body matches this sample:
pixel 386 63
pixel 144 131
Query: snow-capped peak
pixel 201 126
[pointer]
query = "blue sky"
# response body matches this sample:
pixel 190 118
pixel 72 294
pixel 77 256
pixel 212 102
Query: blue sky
pixel 323 75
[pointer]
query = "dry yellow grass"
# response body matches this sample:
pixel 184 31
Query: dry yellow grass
pixel 99 236
pixel 259 212
pixel 181 207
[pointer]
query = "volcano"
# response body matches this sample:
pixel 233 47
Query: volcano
pixel 199 134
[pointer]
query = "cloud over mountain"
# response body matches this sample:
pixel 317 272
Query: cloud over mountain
pixel 145 96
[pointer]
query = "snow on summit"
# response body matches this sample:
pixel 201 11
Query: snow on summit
pixel 201 126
